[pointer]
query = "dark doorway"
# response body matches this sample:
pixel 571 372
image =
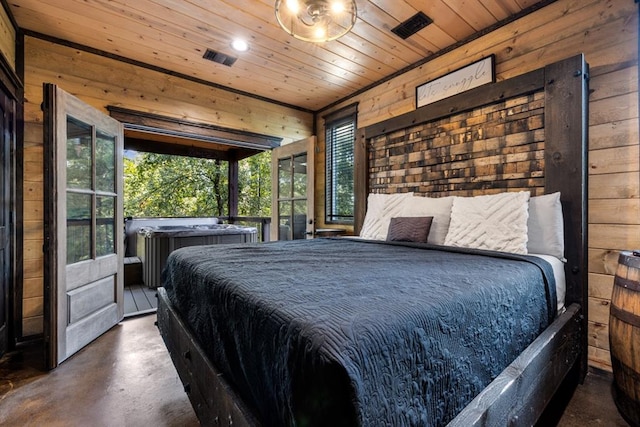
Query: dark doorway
pixel 7 138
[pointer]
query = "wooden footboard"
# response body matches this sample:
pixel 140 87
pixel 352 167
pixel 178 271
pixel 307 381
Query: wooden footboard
pixel 516 397
pixel 519 395
pixel 212 398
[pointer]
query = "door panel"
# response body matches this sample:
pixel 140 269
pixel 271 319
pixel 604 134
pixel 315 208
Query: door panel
pixel 85 262
pixel 293 190
pixel 85 272
pixel 81 333
pixel 89 298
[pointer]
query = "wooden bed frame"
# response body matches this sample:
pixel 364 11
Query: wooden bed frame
pixel 519 395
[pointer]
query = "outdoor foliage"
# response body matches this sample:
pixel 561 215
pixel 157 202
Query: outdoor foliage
pixel 158 185
pixel 89 165
pixel 254 186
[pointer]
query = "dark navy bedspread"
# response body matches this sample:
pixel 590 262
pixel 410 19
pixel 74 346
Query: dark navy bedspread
pixel 338 331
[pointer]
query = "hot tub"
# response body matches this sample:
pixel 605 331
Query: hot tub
pixel 155 243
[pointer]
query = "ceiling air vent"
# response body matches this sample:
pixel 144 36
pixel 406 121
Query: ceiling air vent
pixel 220 58
pixel 412 25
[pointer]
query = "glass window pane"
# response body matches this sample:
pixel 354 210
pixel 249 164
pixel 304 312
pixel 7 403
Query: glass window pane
pixel 105 225
pixel 285 228
pixel 300 175
pixel 78 154
pixel 78 227
pixel 299 219
pixel 340 137
pixel 284 177
pixel 105 162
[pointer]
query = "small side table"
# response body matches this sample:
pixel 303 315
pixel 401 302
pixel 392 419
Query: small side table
pixel 329 232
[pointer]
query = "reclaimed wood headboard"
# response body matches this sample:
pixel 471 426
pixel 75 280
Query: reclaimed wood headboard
pixel 525 133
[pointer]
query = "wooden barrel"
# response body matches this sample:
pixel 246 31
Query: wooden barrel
pixel 624 337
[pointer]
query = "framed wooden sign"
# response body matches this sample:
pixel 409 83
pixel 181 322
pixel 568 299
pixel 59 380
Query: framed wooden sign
pixel 461 80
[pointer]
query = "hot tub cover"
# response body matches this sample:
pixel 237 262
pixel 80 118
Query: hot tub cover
pixel 195 230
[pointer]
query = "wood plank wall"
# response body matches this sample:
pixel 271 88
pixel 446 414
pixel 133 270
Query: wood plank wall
pixel 7 39
pixel 100 81
pixel 606 31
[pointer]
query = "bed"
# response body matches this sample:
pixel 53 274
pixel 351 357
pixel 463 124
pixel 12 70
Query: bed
pixel 338 335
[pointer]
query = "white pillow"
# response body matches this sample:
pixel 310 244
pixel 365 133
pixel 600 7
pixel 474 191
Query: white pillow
pixel 495 222
pixel 437 207
pixel 380 209
pixel 546 226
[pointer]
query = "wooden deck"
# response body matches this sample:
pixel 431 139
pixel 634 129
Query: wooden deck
pixel 138 300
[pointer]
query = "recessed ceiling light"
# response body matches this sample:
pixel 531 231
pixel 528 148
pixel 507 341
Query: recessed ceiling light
pixel 240 45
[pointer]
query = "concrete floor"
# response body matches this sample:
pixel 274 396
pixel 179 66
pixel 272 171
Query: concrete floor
pixel 592 404
pixel 126 378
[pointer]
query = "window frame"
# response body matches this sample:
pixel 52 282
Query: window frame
pixel 340 118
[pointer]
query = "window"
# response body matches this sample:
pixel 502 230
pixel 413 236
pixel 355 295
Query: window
pixel 340 140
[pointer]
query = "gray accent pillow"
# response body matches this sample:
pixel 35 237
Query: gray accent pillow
pixel 409 229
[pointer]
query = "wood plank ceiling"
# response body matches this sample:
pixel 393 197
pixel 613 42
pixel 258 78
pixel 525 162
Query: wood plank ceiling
pixel 174 35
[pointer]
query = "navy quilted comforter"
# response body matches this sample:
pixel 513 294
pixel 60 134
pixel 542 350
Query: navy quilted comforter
pixel 345 332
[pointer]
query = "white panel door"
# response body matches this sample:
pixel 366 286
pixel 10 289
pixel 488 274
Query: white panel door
pixel 292 190
pixel 85 237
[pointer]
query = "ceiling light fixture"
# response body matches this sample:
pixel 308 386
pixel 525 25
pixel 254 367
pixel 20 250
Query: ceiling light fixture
pixel 316 20
pixel 239 45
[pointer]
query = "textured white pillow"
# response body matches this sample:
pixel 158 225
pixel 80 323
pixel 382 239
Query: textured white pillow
pixel 380 209
pixel 546 226
pixel 437 207
pixel 495 222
